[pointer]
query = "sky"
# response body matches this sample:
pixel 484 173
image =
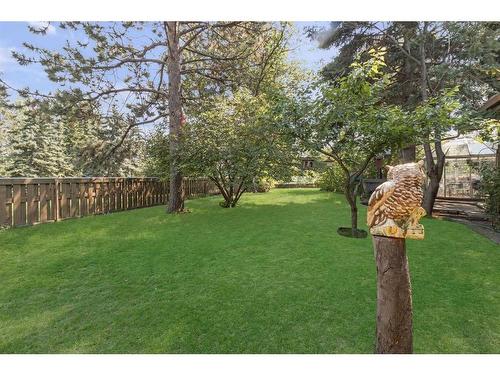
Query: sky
pixel 13 34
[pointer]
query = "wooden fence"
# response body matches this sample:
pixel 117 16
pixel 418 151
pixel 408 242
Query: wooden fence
pixel 28 201
pixel 288 185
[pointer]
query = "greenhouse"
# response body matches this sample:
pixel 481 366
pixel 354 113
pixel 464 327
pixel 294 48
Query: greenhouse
pixel 461 176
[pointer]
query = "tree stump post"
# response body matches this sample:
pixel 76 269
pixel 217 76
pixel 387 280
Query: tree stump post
pixel 393 216
pixel 394 333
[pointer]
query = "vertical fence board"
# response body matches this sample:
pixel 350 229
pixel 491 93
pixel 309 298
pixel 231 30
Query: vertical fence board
pixel 119 195
pixel 31 204
pixel 130 194
pixel 128 189
pixel 82 193
pixel 44 216
pixel 52 201
pixel 91 197
pixel 134 193
pixel 4 206
pixel 75 201
pixel 142 192
pixel 155 192
pixel 63 200
pixel 112 196
pixel 98 198
pixel 57 199
pixel 105 198
pixel 10 203
pixel 17 205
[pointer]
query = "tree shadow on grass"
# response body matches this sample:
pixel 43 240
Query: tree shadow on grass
pixel 299 191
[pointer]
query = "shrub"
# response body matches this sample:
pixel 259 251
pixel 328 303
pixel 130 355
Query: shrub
pixel 263 185
pixel 332 179
pixel 490 187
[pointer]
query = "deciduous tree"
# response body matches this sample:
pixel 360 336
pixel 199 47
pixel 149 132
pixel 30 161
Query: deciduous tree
pixel 426 58
pixel 351 123
pixel 235 141
pixel 143 67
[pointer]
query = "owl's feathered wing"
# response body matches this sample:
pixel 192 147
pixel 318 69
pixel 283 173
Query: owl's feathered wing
pixel 376 209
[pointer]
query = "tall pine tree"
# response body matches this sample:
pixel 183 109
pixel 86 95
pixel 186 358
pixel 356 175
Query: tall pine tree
pixel 36 143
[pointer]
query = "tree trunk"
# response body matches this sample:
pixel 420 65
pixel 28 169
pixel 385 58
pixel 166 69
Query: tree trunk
pixel 430 194
pixel 394 333
pixel 176 194
pixel 497 158
pixel 434 171
pixel 351 199
pixel 408 154
pixel 354 215
pixel 423 66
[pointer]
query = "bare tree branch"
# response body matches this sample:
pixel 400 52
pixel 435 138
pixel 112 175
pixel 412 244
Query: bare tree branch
pixel 128 89
pixel 126 61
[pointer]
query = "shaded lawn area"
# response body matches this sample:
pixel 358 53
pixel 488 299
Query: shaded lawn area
pixel 270 276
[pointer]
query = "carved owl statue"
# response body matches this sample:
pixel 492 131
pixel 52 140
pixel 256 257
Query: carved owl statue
pixel 394 207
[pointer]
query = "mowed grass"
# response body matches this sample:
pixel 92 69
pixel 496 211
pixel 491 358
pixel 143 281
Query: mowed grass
pixel 270 276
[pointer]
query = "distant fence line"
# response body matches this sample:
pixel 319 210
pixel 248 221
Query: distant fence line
pixel 28 201
pixel 295 185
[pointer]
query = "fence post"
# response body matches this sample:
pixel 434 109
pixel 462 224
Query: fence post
pixel 56 197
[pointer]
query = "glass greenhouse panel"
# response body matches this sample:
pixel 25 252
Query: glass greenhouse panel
pixel 461 178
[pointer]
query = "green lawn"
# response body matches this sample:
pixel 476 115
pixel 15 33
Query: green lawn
pixel 270 276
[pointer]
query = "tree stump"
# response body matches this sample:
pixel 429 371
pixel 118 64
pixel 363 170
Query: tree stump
pixel 393 216
pixel 394 333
